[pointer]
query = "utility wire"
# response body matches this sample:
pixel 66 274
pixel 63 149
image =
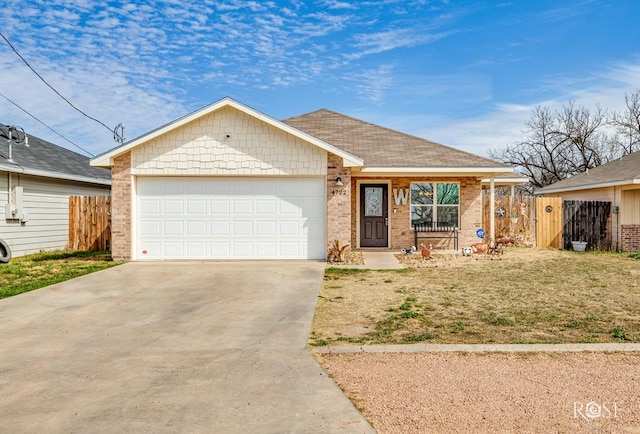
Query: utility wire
pixel 51 87
pixel 77 146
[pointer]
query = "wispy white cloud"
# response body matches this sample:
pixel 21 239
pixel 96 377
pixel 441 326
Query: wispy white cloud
pixel 144 63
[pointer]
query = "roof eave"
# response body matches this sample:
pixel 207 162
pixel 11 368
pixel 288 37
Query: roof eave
pixel 55 175
pixel 478 172
pixel 551 190
pixel 106 159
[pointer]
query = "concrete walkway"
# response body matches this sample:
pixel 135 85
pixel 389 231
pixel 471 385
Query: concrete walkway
pixel 477 348
pixel 380 260
pixel 170 348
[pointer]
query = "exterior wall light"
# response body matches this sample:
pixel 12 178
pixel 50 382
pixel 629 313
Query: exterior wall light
pixel 339 182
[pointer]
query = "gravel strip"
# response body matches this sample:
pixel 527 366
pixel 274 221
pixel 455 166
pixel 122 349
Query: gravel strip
pixel 492 392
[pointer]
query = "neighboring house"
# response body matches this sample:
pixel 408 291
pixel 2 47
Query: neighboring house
pixel 35 185
pixel 228 181
pixel 617 182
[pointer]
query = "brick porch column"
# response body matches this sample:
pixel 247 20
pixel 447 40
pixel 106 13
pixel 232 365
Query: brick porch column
pixel 121 208
pixel 338 201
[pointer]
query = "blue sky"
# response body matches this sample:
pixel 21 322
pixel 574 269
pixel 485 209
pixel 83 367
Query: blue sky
pixel 463 73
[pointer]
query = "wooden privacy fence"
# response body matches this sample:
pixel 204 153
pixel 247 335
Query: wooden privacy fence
pixel 514 218
pixel 89 223
pixel 588 221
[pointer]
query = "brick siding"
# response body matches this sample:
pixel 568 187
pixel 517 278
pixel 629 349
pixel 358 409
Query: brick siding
pixel 338 202
pixel 630 238
pixel 400 221
pixel 121 208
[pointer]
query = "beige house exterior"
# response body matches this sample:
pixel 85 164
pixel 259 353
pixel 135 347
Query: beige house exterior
pixel 229 182
pixel 617 182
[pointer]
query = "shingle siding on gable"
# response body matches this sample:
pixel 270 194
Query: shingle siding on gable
pixel 252 148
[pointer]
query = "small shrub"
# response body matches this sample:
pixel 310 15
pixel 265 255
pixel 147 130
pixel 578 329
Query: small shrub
pixel 619 333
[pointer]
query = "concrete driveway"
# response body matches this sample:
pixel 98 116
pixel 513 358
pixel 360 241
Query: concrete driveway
pixel 170 347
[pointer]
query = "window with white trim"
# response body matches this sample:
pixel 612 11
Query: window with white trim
pixel 435 204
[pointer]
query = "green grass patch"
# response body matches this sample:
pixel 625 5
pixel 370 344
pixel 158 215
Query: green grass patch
pixel 42 269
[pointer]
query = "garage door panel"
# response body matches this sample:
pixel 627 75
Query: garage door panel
pixel 266 249
pixel 266 228
pixel 290 249
pixel 242 207
pixel 290 206
pixel 149 207
pixel 220 187
pixel 232 218
pixel 220 250
pixel 242 249
pixel 173 249
pixel 172 187
pixel 266 207
pixel 151 228
pixel 197 206
pixel 220 207
pixel 290 228
pixel 196 249
pixel 312 207
pixel 243 187
pixel 242 228
pixel 220 228
pixel 173 207
pixel 197 228
pixel 312 188
pixel 173 228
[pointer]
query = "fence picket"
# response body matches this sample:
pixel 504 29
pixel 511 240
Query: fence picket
pixel 89 223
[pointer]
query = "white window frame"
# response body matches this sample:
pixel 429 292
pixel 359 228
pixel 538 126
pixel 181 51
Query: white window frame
pixel 434 203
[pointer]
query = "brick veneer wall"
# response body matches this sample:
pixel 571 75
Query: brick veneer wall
pixel 121 208
pixel 630 238
pixel 338 201
pixel 400 221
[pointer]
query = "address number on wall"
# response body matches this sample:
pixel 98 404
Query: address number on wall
pixel 341 192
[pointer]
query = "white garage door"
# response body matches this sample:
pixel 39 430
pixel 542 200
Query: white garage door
pixel 230 218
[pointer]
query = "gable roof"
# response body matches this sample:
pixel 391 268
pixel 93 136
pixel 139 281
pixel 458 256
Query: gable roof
pixel 106 159
pixel 623 171
pixel 385 150
pixel 42 158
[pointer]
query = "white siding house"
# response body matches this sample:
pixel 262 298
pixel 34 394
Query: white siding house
pixel 35 185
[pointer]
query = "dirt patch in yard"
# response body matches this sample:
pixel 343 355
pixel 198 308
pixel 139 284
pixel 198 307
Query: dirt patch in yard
pixel 470 393
pixel 523 296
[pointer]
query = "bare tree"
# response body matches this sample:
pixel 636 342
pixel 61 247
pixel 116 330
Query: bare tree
pixel 627 124
pixel 565 142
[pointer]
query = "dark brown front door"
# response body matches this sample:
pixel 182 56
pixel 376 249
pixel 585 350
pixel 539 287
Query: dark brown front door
pixel 373 215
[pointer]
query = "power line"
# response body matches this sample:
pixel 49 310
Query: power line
pixel 51 87
pixel 77 146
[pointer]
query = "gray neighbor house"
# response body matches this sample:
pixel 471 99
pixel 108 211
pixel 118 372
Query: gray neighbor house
pixel 618 182
pixel 35 184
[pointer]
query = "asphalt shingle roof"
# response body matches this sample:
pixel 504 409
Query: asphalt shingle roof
pixel 382 147
pixel 622 170
pixel 45 156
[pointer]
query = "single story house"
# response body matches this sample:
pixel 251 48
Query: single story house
pixel 229 182
pixel 36 180
pixel 618 182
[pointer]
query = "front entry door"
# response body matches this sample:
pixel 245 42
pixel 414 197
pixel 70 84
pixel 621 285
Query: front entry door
pixel 373 215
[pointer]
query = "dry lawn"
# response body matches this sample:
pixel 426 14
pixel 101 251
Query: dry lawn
pixel 523 296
